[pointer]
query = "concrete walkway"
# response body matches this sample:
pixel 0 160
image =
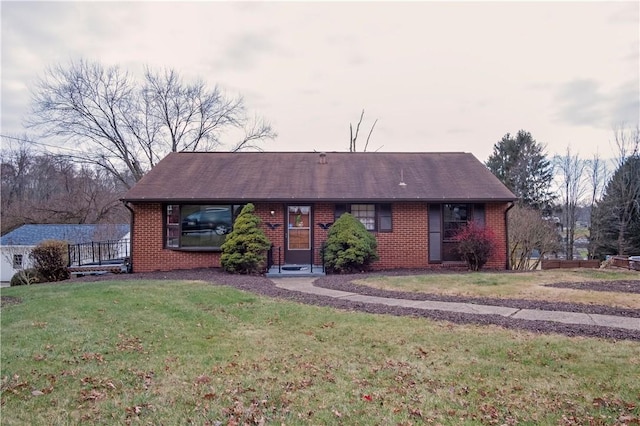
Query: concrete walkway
pixel 305 285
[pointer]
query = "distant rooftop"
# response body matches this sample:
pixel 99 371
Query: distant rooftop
pixel 31 235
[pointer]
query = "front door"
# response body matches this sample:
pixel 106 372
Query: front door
pixel 299 228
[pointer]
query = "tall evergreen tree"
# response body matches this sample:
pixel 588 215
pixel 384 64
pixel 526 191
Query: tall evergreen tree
pixel 522 165
pixel 615 221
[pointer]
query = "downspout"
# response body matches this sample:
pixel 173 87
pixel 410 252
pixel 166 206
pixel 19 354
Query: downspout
pixel 130 266
pixel 506 233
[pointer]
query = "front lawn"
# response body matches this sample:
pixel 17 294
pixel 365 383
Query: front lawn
pixel 178 352
pixel 517 285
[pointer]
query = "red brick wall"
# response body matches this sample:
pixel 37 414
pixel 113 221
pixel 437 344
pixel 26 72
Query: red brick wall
pixel 405 247
pixel 275 235
pixel 494 220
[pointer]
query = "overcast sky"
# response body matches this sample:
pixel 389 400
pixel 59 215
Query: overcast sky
pixel 438 76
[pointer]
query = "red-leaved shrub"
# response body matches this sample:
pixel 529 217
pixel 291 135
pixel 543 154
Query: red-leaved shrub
pixel 476 244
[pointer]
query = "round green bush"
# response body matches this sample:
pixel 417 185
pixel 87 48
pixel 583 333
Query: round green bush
pixel 349 247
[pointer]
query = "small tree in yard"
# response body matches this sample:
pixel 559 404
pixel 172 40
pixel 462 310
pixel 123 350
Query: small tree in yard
pixel 476 244
pixel 349 246
pixel 530 233
pixel 50 259
pixel 245 249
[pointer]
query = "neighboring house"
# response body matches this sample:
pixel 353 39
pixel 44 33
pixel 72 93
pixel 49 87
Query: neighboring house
pixel 413 203
pixel 16 245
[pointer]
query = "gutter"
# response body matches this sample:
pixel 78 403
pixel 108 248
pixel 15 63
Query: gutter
pixel 506 228
pixel 306 199
pixel 130 266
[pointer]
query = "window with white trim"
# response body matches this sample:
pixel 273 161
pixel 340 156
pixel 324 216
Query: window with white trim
pixel 17 261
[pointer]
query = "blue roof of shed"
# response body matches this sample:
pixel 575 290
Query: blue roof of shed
pixel 31 235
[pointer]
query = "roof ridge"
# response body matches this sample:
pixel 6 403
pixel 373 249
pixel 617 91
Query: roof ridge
pixel 318 152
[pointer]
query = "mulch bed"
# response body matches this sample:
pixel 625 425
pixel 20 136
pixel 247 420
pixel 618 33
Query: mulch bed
pixel 615 286
pixel 264 286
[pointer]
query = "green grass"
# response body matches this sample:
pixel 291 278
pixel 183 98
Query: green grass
pixel 520 285
pixel 154 352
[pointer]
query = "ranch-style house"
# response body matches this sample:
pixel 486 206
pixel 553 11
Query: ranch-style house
pixel 414 203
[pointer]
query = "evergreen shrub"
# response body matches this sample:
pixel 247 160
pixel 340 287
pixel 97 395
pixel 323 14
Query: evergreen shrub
pixel 349 247
pixel 245 249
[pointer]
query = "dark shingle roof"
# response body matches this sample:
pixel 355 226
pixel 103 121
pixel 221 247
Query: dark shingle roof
pixel 31 235
pixel 301 176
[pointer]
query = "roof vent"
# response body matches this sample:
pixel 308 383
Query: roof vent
pixel 402 184
pixel 323 158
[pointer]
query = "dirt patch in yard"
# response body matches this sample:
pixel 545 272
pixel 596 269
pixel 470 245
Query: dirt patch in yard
pixel 9 300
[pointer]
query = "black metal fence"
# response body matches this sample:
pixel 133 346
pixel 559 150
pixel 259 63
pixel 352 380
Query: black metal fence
pixel 99 253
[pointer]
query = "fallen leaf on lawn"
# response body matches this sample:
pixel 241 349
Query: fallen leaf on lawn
pixel 202 379
pixel 90 356
pixel 422 353
pixel 136 409
pixel 415 412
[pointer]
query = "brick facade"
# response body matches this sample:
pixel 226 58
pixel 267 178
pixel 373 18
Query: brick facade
pixel 496 221
pixel 406 246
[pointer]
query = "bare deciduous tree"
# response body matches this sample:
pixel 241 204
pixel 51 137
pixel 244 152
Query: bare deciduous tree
pixel 573 188
pixel 126 127
pixel 353 138
pixel 529 232
pixel 597 177
pixel 44 188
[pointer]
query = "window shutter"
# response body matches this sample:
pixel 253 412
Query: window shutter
pixel 339 210
pixel 435 233
pixel 384 218
pixel 478 214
